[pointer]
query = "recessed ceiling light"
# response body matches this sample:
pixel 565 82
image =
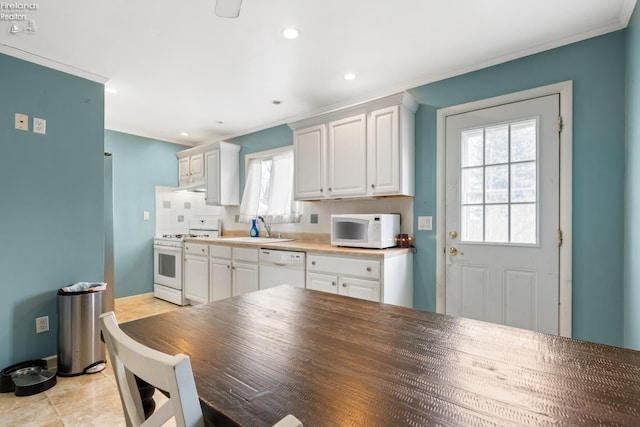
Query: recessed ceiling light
pixel 290 33
pixel 349 76
pixel 276 102
pixel 184 133
pixel 220 122
pixel 111 90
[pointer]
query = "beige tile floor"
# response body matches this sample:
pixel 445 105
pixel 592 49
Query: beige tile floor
pixel 85 400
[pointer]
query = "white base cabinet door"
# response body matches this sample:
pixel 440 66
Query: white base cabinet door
pixel 196 273
pixel 220 279
pixel 359 288
pixel 245 278
pixel 322 282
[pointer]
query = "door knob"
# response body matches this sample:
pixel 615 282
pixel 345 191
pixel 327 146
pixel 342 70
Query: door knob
pixel 453 235
pixel 453 251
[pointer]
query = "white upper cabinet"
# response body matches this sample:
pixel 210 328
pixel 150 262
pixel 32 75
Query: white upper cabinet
pixel 391 151
pixel 214 168
pixel 222 171
pixel 347 157
pixel 191 169
pixel 309 146
pixel 362 151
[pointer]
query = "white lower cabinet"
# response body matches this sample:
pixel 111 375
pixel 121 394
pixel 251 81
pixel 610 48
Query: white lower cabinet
pixel 196 272
pixel 233 271
pixel 388 279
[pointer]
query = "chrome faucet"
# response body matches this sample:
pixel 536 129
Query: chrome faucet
pixel 267 227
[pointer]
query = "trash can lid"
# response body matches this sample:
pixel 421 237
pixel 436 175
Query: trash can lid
pixel 82 288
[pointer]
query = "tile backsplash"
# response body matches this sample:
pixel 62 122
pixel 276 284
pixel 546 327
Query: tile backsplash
pixel 174 210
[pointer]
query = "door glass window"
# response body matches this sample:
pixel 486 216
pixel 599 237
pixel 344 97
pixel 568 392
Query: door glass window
pixel 499 183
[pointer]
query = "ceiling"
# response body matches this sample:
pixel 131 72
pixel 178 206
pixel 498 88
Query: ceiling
pixel 178 67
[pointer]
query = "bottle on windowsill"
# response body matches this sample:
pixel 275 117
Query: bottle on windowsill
pixel 254 229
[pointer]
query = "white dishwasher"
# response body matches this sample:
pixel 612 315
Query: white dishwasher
pixel 281 268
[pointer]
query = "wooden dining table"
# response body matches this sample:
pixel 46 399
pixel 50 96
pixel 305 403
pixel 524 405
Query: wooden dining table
pixel 339 361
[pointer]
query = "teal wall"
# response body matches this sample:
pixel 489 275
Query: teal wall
pixel 597 68
pixel 139 165
pixel 51 212
pixel 632 218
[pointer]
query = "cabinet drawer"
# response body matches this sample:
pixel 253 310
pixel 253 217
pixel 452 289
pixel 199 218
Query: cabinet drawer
pixel 196 249
pixel 219 251
pixel 360 267
pixel 245 254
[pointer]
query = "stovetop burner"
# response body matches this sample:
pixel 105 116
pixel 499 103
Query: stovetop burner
pixel 183 236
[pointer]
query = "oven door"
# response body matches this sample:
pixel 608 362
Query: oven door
pixel 167 266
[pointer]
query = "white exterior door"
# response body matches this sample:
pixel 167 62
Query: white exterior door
pixel 502 214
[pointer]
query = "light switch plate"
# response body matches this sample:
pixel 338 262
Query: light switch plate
pixel 425 223
pixel 22 121
pixel 145 215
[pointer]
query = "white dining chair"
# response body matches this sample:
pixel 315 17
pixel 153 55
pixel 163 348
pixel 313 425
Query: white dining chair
pixel 172 374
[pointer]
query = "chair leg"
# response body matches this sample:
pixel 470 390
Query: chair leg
pixel 146 394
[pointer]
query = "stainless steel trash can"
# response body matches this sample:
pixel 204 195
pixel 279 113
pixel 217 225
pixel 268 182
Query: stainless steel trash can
pixel 80 349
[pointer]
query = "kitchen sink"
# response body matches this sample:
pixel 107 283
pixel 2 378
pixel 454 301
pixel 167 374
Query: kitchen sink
pixel 257 240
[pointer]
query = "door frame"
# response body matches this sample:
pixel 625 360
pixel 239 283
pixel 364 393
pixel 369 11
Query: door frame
pixel 565 89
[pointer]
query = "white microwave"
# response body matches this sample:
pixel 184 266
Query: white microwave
pixel 365 230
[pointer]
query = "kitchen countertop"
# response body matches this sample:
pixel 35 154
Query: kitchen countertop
pixel 304 246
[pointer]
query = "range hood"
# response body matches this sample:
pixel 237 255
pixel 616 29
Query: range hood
pixel 196 187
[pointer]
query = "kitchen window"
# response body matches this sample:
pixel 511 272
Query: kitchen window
pixel 268 189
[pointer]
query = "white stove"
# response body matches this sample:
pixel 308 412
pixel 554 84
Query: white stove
pixel 167 259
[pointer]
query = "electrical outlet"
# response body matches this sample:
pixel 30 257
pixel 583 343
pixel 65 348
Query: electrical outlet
pixel 39 126
pixel 425 223
pixel 22 121
pixel 42 324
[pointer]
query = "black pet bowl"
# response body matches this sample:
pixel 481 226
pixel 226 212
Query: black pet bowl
pixel 27 378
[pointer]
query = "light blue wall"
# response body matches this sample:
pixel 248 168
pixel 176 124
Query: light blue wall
pixel 632 218
pixel 597 68
pixel 51 207
pixel 139 165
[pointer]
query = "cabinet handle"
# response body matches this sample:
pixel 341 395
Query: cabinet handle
pixel 313 263
pixel 333 283
pixel 186 247
pixel 373 186
pixel 228 266
pixel 369 269
pixel 329 189
pixel 233 268
pixel 321 190
pixel 202 250
pixel 344 285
